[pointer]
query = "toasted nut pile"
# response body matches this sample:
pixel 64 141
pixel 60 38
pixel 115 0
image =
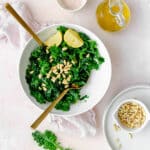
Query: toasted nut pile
pixel 132 115
pixel 60 70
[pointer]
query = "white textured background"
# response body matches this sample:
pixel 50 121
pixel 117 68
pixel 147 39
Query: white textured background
pixel 130 54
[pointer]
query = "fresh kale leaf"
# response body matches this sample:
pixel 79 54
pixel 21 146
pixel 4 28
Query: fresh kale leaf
pixel 83 61
pixel 62 29
pixel 48 140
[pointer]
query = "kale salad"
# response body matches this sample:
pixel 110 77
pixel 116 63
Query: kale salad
pixel 68 59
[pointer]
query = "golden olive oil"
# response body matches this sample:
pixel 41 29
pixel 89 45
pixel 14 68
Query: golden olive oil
pixel 107 17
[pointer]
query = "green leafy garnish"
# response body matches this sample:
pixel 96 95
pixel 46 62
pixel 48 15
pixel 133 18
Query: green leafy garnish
pixel 62 29
pixel 46 84
pixel 48 140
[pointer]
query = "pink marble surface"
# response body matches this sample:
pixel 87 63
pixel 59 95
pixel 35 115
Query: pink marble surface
pixel 130 54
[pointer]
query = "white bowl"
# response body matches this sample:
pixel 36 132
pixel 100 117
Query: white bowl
pixel 135 130
pixel 98 82
pixel 63 6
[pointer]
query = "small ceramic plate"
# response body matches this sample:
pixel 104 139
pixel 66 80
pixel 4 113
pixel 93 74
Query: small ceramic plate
pixel 119 139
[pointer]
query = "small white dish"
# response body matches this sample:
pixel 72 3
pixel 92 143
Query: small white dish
pixel 64 4
pixel 120 139
pixel 96 86
pixel 130 130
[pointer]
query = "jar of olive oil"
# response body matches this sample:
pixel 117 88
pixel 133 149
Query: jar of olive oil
pixel 113 15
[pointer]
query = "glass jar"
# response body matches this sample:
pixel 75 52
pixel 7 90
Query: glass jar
pixel 113 15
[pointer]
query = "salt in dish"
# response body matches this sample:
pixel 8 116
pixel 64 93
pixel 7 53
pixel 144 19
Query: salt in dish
pixel 72 5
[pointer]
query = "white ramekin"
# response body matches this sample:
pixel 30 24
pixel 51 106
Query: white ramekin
pixel 115 116
pixel 62 5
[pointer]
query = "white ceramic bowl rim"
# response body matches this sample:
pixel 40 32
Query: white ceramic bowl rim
pixel 106 65
pixel 115 116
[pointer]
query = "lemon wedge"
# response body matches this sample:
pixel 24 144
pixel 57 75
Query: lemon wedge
pixel 56 39
pixel 73 39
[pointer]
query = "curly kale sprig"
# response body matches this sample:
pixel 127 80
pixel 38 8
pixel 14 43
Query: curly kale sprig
pixel 48 140
pixel 84 60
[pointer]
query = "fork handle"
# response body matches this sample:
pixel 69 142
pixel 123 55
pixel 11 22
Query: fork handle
pixel 49 109
pixel 23 23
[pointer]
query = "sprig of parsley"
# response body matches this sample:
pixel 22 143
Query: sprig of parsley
pixel 48 140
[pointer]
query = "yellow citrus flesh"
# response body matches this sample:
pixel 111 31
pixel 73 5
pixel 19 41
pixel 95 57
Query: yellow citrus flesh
pixel 73 39
pixel 56 39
